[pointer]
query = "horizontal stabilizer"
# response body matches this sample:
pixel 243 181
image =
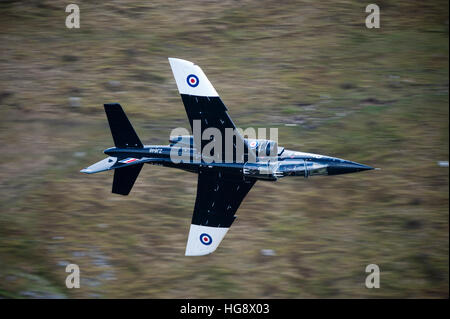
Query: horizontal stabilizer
pixel 122 131
pixel 110 163
pixel 124 179
pixel 103 165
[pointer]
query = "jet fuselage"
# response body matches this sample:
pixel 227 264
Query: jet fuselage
pixel 286 163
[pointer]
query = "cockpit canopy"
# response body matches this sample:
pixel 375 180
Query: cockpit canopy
pixel 265 148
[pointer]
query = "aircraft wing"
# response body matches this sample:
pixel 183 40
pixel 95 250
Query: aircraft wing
pixel 219 196
pixel 202 102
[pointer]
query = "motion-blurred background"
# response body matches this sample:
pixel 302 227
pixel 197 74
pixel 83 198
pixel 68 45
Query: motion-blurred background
pixel 310 68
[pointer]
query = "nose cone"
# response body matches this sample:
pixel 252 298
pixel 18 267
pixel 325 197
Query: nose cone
pixel 345 167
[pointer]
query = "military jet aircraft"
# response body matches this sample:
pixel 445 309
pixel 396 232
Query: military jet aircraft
pixel 221 185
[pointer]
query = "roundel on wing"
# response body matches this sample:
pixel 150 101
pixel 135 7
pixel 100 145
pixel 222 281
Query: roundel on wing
pixel 192 80
pixel 205 239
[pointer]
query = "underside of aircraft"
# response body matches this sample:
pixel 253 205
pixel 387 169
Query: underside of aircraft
pixel 222 185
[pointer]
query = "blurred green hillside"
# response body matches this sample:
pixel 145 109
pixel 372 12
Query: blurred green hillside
pixel 375 96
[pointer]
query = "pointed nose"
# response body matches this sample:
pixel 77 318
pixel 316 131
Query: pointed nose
pixel 346 167
pixel 362 167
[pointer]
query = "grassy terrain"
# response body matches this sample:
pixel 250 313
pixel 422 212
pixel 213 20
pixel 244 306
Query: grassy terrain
pixel 378 96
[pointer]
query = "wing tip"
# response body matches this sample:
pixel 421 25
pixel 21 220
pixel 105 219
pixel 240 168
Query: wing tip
pixel 177 61
pixel 190 78
pixel 196 254
pixel 204 240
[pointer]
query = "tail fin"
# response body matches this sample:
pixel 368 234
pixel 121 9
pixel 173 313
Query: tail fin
pixel 122 131
pixel 124 179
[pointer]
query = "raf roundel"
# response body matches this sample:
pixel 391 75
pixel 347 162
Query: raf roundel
pixel 205 239
pixel 192 80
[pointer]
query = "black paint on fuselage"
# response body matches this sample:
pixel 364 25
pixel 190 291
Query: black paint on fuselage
pixel 289 163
